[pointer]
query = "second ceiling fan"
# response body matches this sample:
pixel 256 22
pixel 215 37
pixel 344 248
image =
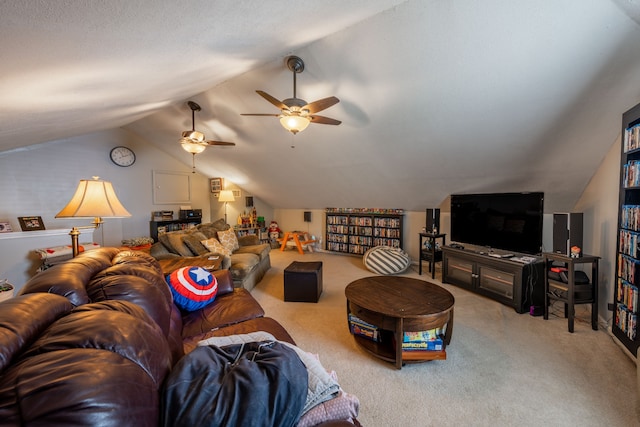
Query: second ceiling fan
pixel 295 114
pixel 193 141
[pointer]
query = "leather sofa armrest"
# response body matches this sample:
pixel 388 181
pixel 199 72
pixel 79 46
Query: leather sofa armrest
pixel 225 281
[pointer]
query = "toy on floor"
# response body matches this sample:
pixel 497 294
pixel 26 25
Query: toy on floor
pixel 274 231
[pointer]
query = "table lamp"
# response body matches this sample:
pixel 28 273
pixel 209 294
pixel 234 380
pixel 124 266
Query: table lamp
pixel 226 196
pixel 93 199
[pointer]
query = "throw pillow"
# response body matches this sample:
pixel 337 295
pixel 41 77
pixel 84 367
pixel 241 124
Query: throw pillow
pixel 192 287
pixel 193 241
pixel 173 241
pixel 213 245
pixel 210 229
pixel 229 239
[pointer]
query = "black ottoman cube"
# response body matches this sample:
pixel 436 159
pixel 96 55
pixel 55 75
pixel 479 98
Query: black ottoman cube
pixel 303 281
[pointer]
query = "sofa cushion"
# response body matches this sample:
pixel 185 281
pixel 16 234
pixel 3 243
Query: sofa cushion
pixel 227 309
pixel 173 241
pixel 210 229
pixel 192 287
pixel 159 251
pixel 228 239
pixel 214 245
pixel 193 241
pixel 262 250
pixel 259 324
pixel 242 264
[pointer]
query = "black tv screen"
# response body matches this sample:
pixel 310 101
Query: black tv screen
pixel 508 221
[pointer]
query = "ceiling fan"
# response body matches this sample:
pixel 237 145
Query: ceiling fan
pixel 295 113
pixel 193 141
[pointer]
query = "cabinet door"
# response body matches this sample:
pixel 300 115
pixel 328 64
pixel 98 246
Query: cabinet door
pixel 459 272
pixel 496 281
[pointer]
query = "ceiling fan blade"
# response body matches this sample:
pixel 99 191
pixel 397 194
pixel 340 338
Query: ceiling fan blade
pixel 257 114
pixel 271 99
pixel 222 143
pixel 321 104
pixel 324 120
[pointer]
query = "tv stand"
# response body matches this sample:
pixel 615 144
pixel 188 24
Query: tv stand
pixel 516 284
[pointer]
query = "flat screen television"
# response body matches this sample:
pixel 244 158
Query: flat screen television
pixel 508 221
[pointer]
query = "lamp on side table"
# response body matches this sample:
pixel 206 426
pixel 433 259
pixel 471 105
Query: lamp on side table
pixel 93 199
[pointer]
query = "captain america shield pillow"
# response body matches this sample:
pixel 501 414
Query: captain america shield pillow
pixel 192 287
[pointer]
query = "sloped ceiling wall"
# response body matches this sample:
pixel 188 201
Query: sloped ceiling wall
pixel 437 97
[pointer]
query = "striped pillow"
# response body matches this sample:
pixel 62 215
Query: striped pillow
pixel 386 260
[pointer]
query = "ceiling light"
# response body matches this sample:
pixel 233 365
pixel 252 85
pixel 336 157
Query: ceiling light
pixel 294 123
pixel 193 147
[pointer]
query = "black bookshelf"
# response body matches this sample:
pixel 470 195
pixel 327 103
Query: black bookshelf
pixel 625 316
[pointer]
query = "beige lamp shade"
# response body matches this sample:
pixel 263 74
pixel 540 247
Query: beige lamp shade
pixel 226 196
pixel 94 198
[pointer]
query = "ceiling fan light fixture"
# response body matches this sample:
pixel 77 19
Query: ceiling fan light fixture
pixel 294 123
pixel 194 135
pixel 192 147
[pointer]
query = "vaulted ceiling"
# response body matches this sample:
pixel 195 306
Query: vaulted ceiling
pixel 436 96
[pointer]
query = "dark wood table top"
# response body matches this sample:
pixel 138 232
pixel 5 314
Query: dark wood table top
pixel 403 297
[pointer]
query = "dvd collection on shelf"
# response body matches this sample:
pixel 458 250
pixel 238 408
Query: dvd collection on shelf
pixel 627 295
pixel 356 230
pixel 630 219
pixel 628 242
pixel 632 138
pixel 631 171
pixel 365 211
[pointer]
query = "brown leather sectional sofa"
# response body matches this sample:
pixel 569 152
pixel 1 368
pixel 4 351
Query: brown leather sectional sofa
pixel 91 341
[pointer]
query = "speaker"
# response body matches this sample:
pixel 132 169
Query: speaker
pixel 567 232
pixel 307 216
pixel 433 220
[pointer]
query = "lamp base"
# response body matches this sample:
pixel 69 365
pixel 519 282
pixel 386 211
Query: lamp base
pixel 74 233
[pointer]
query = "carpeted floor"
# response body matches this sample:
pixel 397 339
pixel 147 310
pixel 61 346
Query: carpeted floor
pixel 502 368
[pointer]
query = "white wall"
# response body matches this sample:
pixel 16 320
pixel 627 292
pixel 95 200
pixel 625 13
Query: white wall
pixel 40 180
pixel 599 203
pixel 239 206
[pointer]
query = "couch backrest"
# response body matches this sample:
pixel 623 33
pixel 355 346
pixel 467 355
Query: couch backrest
pixel 97 364
pixel 111 274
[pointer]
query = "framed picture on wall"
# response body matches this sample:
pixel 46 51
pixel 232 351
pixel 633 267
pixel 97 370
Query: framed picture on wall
pixel 216 186
pixel 30 223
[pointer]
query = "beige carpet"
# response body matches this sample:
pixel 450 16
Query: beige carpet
pixel 502 368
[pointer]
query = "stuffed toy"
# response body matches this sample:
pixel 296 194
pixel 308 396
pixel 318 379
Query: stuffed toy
pixel 274 230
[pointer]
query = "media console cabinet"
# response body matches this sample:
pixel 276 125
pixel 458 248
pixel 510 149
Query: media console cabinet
pixel 512 283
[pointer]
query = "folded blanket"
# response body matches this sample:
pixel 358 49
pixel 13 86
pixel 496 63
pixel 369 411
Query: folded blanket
pixel 322 385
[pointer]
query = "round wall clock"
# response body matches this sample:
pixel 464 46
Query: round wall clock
pixel 122 156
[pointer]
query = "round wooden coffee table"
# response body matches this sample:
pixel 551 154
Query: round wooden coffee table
pixel 397 305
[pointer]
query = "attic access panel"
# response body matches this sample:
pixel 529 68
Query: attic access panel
pixel 171 188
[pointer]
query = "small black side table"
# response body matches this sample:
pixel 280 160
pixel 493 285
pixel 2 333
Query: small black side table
pixel 431 254
pixel 570 293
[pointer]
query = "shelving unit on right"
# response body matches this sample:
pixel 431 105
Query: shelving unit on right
pixel 625 323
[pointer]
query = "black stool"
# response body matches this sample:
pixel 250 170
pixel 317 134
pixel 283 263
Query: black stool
pixel 303 281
